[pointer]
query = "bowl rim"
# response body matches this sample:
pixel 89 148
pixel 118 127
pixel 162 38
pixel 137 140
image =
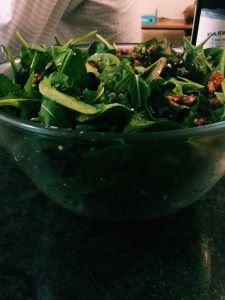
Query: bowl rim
pixel 155 137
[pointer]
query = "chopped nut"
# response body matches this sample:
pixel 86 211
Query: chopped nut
pixel 181 99
pixel 214 82
pixel 214 101
pixel 37 78
pixel 199 122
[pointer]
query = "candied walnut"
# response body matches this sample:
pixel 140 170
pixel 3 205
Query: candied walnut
pixel 181 99
pixel 143 58
pixel 37 78
pixel 149 49
pixel 188 99
pixel 173 98
pixel 199 122
pixel 214 101
pixel 214 82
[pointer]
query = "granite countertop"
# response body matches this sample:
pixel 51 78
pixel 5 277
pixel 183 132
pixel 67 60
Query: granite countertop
pixel 50 253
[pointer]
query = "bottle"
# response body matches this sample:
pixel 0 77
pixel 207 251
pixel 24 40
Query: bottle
pixel 209 20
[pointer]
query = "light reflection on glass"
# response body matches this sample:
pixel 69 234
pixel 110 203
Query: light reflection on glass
pixel 206 259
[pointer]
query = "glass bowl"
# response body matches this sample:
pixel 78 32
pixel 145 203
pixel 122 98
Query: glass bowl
pixel 117 176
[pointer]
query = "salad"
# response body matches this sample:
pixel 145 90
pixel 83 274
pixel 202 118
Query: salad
pixel 106 87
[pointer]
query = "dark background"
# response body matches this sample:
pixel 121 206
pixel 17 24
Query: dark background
pixel 50 253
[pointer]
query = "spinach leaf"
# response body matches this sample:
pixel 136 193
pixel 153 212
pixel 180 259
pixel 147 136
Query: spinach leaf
pixel 138 89
pixel 196 62
pixel 68 101
pixel 11 60
pixel 140 123
pixel 92 96
pixel 74 67
pixel 221 95
pixel 185 86
pixel 7 86
pixel 103 60
pixel 96 47
pixel 154 71
pixel 53 114
pixel 114 116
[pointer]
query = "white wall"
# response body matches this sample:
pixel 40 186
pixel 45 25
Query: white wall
pixel 167 9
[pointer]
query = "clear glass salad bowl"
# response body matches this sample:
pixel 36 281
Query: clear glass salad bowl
pixel 118 176
pixel 132 176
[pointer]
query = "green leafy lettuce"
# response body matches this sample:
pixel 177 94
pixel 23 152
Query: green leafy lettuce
pixel 104 87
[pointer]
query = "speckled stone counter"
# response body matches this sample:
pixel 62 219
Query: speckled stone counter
pixel 50 253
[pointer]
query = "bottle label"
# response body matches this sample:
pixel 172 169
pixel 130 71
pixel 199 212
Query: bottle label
pixel 212 22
